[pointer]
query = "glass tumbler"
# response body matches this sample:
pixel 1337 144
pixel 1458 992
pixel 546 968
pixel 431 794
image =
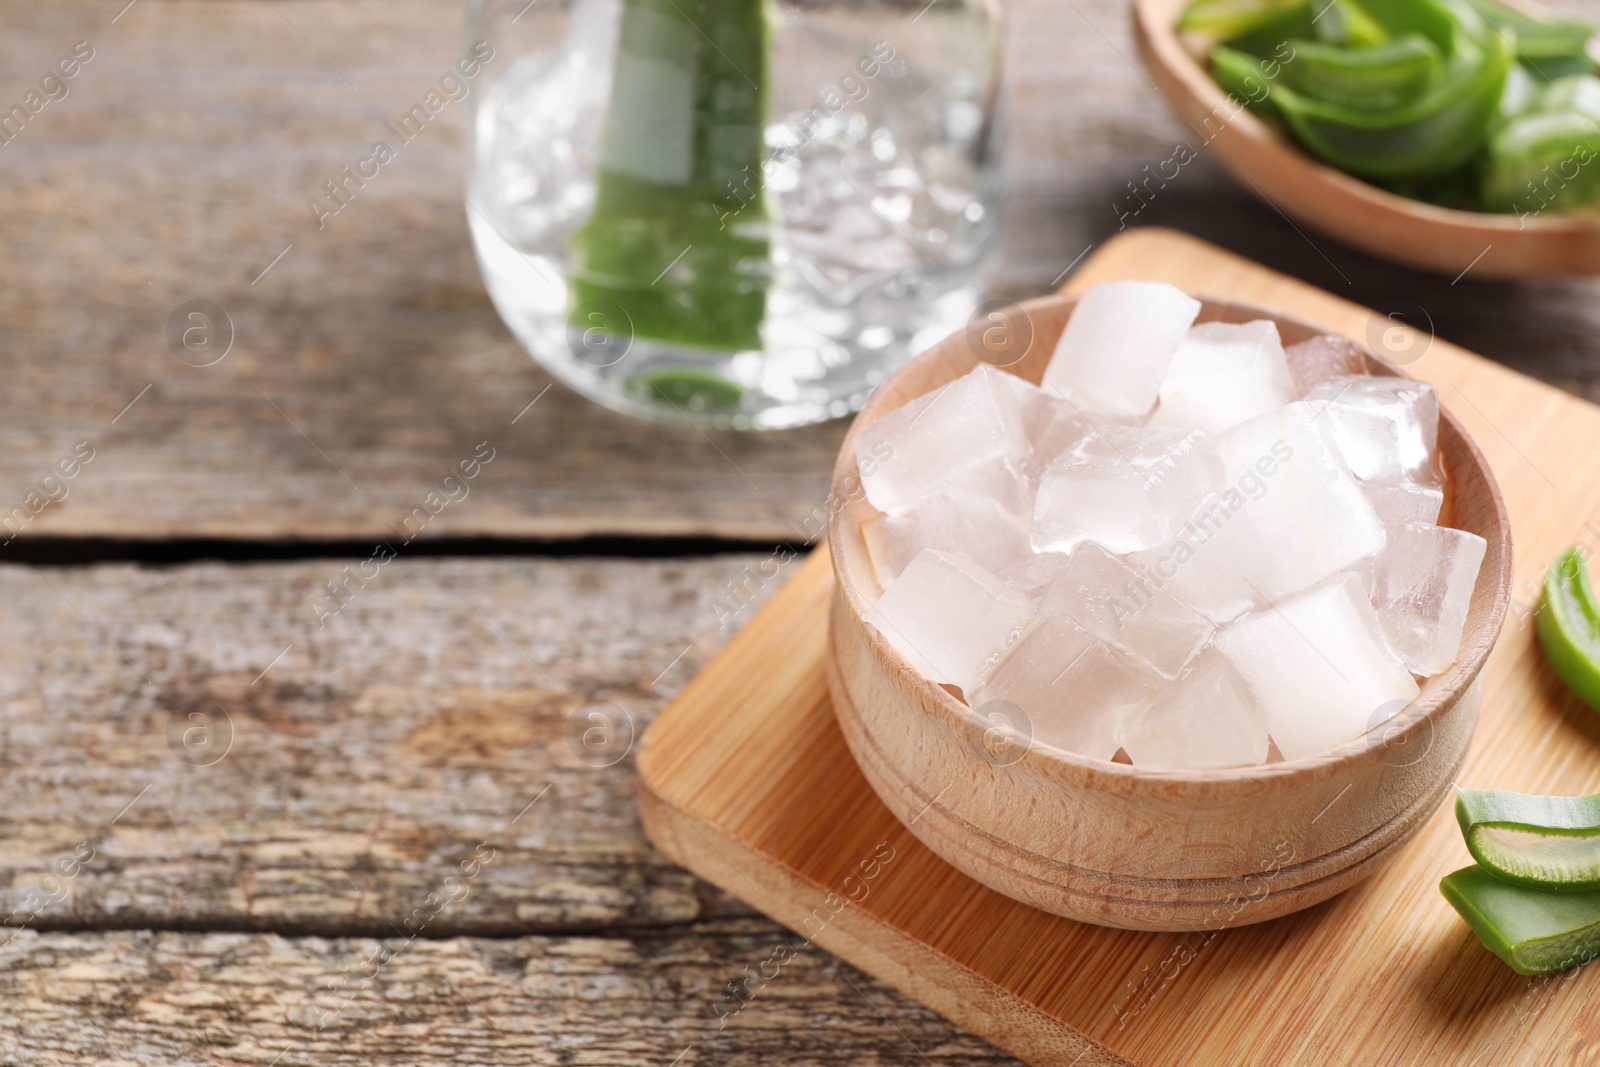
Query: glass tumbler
pixel 742 213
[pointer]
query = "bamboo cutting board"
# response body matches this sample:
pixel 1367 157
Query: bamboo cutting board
pixel 746 780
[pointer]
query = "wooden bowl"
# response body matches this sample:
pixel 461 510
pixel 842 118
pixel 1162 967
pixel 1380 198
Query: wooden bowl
pixel 1344 207
pixel 1108 843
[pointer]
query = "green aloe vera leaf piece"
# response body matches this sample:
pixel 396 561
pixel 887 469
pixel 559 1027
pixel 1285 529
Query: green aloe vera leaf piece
pixel 1243 77
pixel 1369 79
pixel 1552 68
pixel 1535 931
pixel 1542 160
pixel 1447 23
pixel 1346 23
pixel 1226 19
pixel 1522 93
pixel 1540 841
pixel 1270 40
pixel 1444 128
pixel 679 236
pixel 691 388
pixel 1568 625
pixel 1579 93
pixel 1538 38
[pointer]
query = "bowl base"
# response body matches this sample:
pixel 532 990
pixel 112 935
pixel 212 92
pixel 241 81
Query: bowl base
pixel 1106 898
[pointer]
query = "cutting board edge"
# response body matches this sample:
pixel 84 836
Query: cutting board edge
pixel 877 947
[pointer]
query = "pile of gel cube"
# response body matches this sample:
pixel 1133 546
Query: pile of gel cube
pixel 1186 548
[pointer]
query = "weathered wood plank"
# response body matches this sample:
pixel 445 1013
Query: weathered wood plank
pixel 366 363
pixel 192 141
pixel 406 736
pixel 232 1000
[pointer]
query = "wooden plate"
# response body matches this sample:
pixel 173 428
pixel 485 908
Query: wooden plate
pixel 1347 208
pixel 1109 843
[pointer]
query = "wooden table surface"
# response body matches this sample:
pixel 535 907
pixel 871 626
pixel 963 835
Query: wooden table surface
pixel 236 829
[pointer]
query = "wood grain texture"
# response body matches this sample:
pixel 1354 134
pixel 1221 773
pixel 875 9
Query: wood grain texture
pixel 243 1000
pixel 192 141
pixel 367 766
pixel 366 363
pixel 364 766
pixel 746 778
pixel 1334 203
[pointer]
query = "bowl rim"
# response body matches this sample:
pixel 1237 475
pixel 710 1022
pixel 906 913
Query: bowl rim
pixel 1438 693
pixel 1156 29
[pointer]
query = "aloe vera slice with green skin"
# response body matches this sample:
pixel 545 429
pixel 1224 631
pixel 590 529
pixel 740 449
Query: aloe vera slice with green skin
pixel 1541 161
pixel 1347 24
pixel 1368 79
pixel 688 387
pixel 678 238
pixel 1548 48
pixel 1553 67
pixel 1436 133
pixel 1536 931
pixel 1270 40
pixel 1522 92
pixel 1227 19
pixel 1568 625
pixel 1541 40
pixel 1244 78
pixel 1579 94
pixel 1543 842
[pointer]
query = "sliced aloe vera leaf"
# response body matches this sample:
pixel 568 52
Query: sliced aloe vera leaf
pixel 1225 19
pixel 1522 92
pixel 1371 79
pixel 1537 37
pixel 1568 625
pixel 1535 931
pixel 679 235
pixel 1544 842
pixel 1242 77
pixel 1542 160
pixel 691 388
pixel 1553 68
pixel 1271 40
pixel 1444 22
pixel 1347 24
pixel 1434 134
pixel 1579 94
